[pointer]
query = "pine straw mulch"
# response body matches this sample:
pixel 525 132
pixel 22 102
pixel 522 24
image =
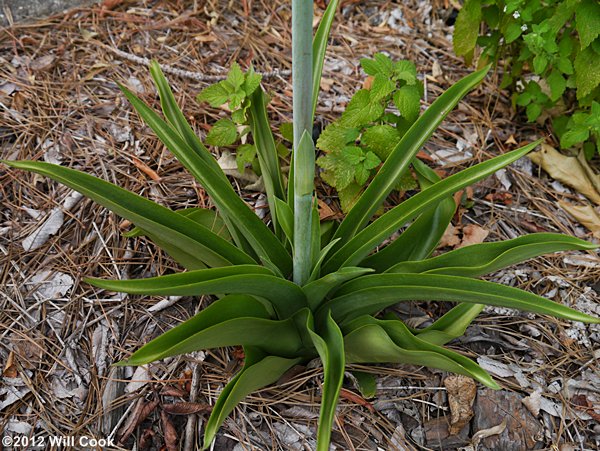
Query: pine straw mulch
pixel 59 336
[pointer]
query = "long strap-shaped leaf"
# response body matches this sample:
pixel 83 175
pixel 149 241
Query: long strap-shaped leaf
pixel 330 346
pixel 366 340
pixel 177 119
pixel 230 321
pixel 359 247
pixel 420 239
pixel 258 372
pixel 266 151
pixel 401 156
pixel 319 48
pixel 370 294
pixel 178 231
pixel 262 240
pixel 452 325
pixel 317 290
pixel 479 259
pixel 285 296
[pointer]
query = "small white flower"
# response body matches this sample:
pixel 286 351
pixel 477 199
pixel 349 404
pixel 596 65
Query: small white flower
pixel 524 27
pixel 516 14
pixel 504 10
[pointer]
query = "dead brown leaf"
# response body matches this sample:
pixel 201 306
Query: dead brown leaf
pixel 325 211
pixel 450 237
pixel 42 63
pixel 568 170
pixel 585 214
pixel 140 413
pixel 186 408
pixel 169 432
pixel 473 234
pixel 146 169
pixel 461 395
pixel 10 369
pixel 357 399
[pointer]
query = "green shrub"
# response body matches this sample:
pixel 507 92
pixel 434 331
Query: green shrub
pixel 551 59
pixel 289 294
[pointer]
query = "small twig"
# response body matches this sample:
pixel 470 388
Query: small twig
pixel 186 73
pixel 190 427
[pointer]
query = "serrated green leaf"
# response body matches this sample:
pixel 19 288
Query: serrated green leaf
pixel 401 156
pixel 512 31
pixel 408 101
pixel 405 71
pixel 215 95
pixel 381 64
pixel 587 71
pixel 223 133
pixel 533 111
pixel 361 110
pixel 349 195
pixel 244 155
pixel 575 135
pixel 466 29
pixel 381 88
pixel 540 62
pixel 361 174
pixel 371 160
pixel 336 136
pixel 557 85
pixel 339 172
pixel 587 21
pixel 251 81
pixel 380 139
pixel 236 76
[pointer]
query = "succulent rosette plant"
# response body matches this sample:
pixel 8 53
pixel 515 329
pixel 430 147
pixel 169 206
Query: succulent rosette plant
pixel 293 291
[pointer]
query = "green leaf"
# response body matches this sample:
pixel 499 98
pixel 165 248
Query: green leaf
pixel 235 76
pixel 286 297
pixel 318 50
pixel 361 174
pixel 369 342
pixel 408 101
pixel 533 111
pixel 380 139
pixel 587 21
pixel 266 150
pixel 540 62
pixel 565 66
pixel 182 233
pixel 401 156
pixel 232 208
pixel 225 309
pixel 512 31
pixel 587 71
pixel 330 346
pixel 370 294
pixel 405 71
pixel 216 95
pixel 381 64
pixel 285 217
pixel 557 85
pixel 353 155
pixel 466 29
pixel 452 325
pixel 366 383
pixel 361 110
pixel 258 372
pixel 317 290
pixel 335 137
pixel 244 155
pixel 381 88
pixel 360 246
pixel 287 131
pixel 223 133
pixel 480 259
pixel 340 172
pixel 349 195
pixel 575 135
pixel 251 81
